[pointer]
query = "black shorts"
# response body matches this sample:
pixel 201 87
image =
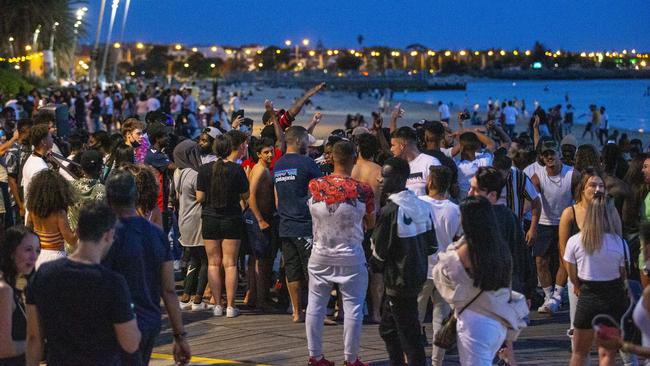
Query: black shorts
pixel 546 241
pixel 600 297
pixel 296 252
pixel 222 227
pixel 367 245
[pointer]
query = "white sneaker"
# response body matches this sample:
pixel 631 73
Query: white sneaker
pixel 202 306
pixel 185 305
pixel 218 310
pixel 550 306
pixel 232 312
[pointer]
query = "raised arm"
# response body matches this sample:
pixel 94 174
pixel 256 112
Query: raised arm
pixel 314 122
pixel 396 114
pixel 297 106
pixel 503 136
pixel 535 131
pixel 279 133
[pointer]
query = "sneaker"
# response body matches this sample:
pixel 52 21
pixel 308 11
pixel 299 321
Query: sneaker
pixel 550 306
pixel 355 363
pixel 218 310
pixel 202 306
pixel 322 362
pixel 232 312
pixel 185 305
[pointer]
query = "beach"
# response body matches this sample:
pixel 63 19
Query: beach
pixel 336 105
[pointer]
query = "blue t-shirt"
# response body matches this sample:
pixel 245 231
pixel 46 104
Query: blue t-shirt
pixel 138 253
pixel 291 175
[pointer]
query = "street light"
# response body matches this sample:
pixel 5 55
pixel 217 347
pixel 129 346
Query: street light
pixel 28 48
pixel 117 45
pixel 139 46
pixel 178 47
pixel 287 43
pixel 305 42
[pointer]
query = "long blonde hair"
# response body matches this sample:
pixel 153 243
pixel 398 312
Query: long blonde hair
pixel 601 218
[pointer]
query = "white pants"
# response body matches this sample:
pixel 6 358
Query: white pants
pixel 479 338
pixel 353 284
pixel 48 256
pixel 440 311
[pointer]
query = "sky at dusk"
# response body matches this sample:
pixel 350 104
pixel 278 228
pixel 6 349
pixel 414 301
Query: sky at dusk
pixel 454 24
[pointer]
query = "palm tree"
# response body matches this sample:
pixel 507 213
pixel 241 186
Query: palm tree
pixel 21 19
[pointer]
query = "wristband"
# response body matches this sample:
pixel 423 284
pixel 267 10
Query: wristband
pixel 180 335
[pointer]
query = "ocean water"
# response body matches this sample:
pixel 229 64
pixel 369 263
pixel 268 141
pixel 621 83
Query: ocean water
pixel 626 101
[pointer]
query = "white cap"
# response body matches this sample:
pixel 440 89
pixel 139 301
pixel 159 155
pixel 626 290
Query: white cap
pixel 313 142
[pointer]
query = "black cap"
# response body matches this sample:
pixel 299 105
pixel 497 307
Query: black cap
pixel 548 145
pixel 91 160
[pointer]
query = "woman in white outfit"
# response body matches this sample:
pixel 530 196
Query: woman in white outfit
pixel 476 270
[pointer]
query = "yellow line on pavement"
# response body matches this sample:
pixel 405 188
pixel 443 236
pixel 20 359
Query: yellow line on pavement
pixel 203 360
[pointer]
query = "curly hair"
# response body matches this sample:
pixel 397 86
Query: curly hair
pixel 146 185
pixel 49 192
pixel 587 156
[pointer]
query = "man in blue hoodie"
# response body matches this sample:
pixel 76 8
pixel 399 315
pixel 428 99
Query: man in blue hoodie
pixel 402 241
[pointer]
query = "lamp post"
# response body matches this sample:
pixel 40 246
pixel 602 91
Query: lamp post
pixel 95 52
pixel 117 57
pixel 48 56
pixel 81 12
pixel 114 6
pixel 11 46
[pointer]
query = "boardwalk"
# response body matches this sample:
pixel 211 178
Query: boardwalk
pixel 254 339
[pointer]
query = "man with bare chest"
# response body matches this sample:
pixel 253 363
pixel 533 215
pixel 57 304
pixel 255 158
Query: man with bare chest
pixel 261 224
pixel 367 171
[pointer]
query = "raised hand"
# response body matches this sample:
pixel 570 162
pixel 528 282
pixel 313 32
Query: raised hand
pixel 268 105
pixel 397 112
pixel 317 118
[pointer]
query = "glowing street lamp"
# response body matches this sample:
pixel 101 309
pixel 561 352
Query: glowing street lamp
pixel 117 45
pixel 213 49
pixel 414 53
pixel 490 53
pixel 312 53
pixel 28 48
pixel 139 46
pixel 527 53
pixel 287 43
pixel 178 47
pixel 305 42
pixel 194 49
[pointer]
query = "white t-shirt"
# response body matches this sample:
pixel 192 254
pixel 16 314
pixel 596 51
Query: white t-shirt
pixel 556 194
pixel 153 104
pixel 177 103
pixel 467 169
pixel 601 265
pixel 531 170
pixel 446 223
pixel 511 115
pixel 33 165
pixel 447 151
pixel 417 181
pixel 108 105
pixel 443 109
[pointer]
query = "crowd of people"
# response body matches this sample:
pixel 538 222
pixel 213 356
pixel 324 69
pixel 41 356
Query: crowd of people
pixel 480 224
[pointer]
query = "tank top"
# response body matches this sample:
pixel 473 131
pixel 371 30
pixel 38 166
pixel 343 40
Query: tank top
pixel 50 240
pixel 555 193
pixel 574 228
pixel 18 320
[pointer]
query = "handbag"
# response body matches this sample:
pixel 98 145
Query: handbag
pixel 446 337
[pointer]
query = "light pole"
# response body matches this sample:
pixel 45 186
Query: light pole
pixel 80 14
pixel 95 53
pixel 11 46
pixel 117 57
pixel 114 6
pixel 48 55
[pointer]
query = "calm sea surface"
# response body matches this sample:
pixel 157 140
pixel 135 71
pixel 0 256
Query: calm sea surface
pixel 626 101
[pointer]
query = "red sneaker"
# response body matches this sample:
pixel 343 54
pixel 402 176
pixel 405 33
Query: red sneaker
pixel 322 362
pixel 355 363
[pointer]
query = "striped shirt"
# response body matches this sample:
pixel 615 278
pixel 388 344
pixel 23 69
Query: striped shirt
pixel 517 190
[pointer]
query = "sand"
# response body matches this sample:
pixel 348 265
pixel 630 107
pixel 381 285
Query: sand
pixel 336 105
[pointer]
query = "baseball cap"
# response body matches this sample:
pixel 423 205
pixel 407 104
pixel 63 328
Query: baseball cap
pixel 548 145
pixel 569 140
pixel 359 131
pixel 313 142
pixel 212 132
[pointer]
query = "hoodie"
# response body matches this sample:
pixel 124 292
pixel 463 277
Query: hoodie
pixel 402 241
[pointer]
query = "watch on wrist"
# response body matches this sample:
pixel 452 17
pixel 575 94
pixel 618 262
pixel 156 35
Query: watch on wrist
pixel 180 335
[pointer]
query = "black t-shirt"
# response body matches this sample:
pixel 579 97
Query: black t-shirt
pixel 78 304
pixel 236 184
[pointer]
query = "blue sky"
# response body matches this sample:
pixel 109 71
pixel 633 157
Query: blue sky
pixel 453 24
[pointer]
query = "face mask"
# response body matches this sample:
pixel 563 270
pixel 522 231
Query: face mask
pixel 135 144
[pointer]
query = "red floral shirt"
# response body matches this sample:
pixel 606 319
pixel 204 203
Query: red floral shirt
pixel 335 189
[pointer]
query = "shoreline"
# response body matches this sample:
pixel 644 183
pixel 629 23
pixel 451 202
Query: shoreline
pixel 336 105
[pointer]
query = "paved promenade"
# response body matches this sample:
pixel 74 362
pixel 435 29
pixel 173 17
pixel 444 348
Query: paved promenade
pixel 256 339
